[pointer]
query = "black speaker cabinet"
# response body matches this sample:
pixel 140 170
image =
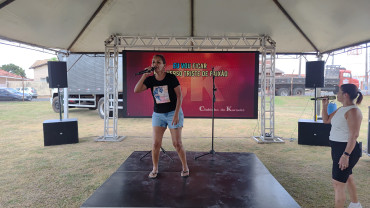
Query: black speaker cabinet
pixel 315 74
pixel 313 132
pixel 57 74
pixel 60 132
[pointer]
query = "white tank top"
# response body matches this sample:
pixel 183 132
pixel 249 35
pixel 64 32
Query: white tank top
pixel 339 128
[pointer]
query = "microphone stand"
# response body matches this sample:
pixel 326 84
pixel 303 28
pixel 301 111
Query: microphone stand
pixel 212 151
pixel 164 152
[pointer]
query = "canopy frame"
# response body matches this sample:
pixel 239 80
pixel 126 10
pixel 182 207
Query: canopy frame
pixel 263 43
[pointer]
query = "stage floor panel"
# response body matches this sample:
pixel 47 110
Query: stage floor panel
pixel 227 179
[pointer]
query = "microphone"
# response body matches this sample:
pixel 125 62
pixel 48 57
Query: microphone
pixel 332 97
pixel 146 71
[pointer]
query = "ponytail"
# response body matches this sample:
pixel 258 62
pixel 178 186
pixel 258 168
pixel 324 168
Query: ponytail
pixel 353 92
pixel 359 98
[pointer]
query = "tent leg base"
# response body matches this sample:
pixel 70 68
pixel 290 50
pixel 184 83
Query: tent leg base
pixel 110 139
pixel 267 140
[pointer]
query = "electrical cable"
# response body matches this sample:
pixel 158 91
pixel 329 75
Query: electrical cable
pixel 300 116
pixel 258 122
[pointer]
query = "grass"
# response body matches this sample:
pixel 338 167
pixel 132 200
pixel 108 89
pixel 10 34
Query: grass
pixel 66 175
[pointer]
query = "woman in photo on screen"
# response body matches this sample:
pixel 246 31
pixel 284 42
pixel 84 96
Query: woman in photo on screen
pixel 166 92
pixel 345 150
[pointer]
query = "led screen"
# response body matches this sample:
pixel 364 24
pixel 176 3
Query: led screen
pixel 235 77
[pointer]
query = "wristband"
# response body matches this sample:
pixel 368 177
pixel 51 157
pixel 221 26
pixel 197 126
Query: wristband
pixel 346 153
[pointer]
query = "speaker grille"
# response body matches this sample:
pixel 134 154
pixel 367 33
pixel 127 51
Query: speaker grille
pixel 315 74
pixel 57 74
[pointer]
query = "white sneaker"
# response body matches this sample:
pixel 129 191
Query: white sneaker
pixel 354 205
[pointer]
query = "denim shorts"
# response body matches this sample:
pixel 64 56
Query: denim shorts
pixel 164 119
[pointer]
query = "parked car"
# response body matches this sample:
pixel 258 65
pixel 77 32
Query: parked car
pixel 10 94
pixel 30 90
pixel 27 96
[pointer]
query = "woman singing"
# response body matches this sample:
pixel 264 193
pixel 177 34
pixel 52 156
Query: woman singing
pixel 167 97
pixel 345 151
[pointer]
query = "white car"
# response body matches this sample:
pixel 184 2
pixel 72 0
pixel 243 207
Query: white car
pixel 29 90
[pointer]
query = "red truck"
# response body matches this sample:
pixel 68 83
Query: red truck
pixel 335 76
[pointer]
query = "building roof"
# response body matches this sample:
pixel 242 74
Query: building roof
pixel 4 73
pixel 11 76
pixel 39 63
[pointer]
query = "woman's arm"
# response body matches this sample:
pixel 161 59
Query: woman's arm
pixel 140 86
pixel 354 118
pixel 324 113
pixel 178 104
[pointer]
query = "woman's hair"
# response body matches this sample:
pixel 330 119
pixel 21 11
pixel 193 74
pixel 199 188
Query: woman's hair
pixel 353 92
pixel 161 57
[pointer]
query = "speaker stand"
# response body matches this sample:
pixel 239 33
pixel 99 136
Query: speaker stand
pixel 315 113
pixel 60 105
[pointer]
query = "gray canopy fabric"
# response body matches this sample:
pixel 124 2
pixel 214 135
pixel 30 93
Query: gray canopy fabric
pixel 297 26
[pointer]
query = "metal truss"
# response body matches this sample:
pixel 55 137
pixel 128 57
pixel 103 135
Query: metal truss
pixel 111 95
pixel 268 98
pixel 264 44
pixel 249 43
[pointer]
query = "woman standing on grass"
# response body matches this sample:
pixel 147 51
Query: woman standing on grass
pixel 345 150
pixel 167 97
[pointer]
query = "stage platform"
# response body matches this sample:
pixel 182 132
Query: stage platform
pixel 227 179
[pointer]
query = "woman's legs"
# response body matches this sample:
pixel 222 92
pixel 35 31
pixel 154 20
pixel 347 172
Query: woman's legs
pixel 157 143
pixel 343 178
pixel 352 189
pixel 340 194
pixel 177 143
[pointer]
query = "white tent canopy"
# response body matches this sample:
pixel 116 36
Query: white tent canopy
pixel 297 26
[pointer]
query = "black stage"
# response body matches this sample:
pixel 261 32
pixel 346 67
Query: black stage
pixel 227 179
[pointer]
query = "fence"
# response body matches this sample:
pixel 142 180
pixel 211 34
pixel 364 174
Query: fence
pixel 41 87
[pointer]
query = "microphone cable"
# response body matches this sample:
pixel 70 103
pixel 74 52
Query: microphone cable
pixel 300 116
pixel 258 122
pixel 291 136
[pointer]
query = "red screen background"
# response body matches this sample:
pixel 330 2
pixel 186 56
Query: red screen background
pixel 236 83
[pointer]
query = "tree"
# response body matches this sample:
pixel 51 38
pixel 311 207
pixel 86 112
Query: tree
pixel 12 68
pixel 53 59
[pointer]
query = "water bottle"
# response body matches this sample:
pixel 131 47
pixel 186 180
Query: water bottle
pixel 331 107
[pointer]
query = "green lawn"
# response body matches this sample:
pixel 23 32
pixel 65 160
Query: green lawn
pixel 66 175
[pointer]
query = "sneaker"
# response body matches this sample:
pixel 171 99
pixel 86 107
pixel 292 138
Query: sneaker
pixel 354 205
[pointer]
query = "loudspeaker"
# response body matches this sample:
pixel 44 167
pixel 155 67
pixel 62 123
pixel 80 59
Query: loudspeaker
pixel 313 132
pixel 60 132
pixel 315 74
pixel 57 74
